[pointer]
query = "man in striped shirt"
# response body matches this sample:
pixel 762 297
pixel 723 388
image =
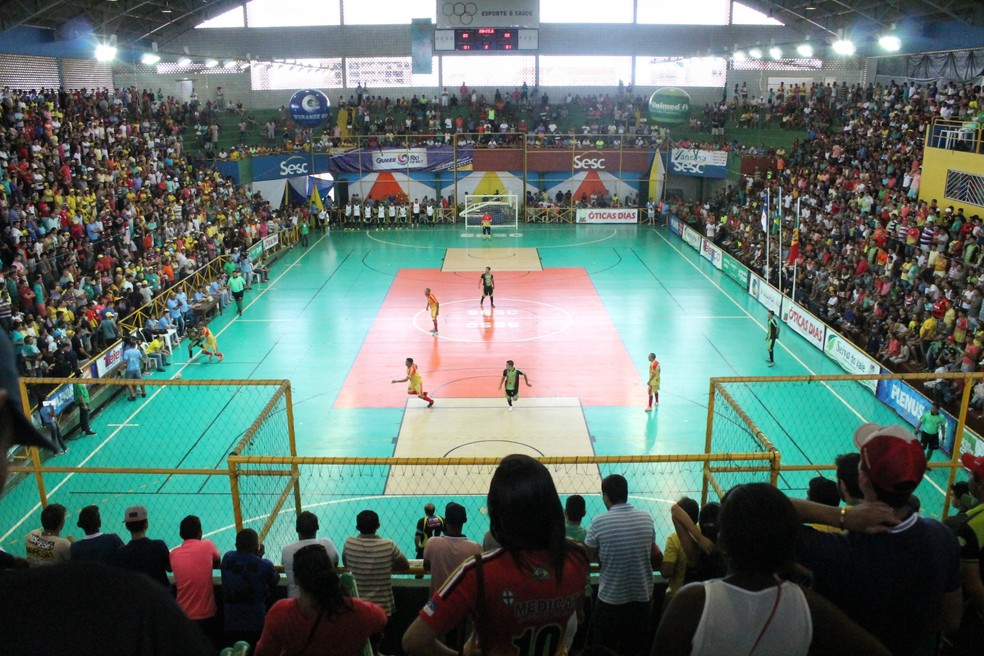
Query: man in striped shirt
pixel 372 559
pixel 623 540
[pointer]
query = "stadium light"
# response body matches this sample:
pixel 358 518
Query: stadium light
pixel 739 55
pixel 755 53
pixel 804 50
pixel 775 52
pixel 890 43
pixel 105 53
pixel 843 47
pixel 211 63
pixel 184 62
pixel 149 59
pixel 229 64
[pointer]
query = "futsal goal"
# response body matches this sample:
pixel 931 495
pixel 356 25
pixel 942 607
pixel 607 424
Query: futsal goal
pixel 503 208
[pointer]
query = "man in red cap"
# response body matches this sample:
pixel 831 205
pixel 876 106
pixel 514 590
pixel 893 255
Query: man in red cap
pixel 893 572
pixel 970 535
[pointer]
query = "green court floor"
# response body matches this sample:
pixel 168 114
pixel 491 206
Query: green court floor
pixel 309 323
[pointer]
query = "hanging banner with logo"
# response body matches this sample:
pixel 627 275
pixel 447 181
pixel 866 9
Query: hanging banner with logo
pixel 699 163
pixel 851 359
pixel 365 160
pixel 275 167
pixel 607 216
pixel 271 241
pixel 910 404
pixel 807 325
pixel 488 13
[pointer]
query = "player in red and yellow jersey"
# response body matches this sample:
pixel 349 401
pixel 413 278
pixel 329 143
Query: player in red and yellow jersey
pixel 416 385
pixel 433 306
pixel 652 387
pixel 487 226
pixel 207 340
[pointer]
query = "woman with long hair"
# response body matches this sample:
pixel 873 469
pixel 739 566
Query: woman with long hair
pixel 520 596
pixel 323 619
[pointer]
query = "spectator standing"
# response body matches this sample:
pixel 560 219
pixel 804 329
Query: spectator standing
pixel 372 559
pixel 902 585
pixel 45 546
pixel 141 554
pixel 574 512
pixel 248 580
pixel 443 553
pixel 752 610
pixel 80 392
pixel 237 285
pixel 847 478
pixel 192 562
pixel 970 534
pixel 130 614
pixel 536 568
pixel 95 546
pixel 623 541
pixel 133 357
pixel 307 534
pixel 429 526
pixel 323 618
pixel 674 566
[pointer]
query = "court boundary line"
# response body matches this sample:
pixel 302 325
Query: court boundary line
pixel 393 243
pixel 146 401
pixel 784 347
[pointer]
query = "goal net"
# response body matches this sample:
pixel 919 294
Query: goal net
pixel 503 208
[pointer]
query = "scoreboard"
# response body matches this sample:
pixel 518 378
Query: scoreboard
pixel 486 39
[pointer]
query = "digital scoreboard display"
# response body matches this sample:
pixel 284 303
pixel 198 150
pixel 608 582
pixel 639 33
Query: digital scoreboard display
pixel 486 38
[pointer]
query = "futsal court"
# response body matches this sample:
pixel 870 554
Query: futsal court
pixel 578 308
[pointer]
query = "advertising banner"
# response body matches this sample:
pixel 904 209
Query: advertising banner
pixel 766 294
pixel 110 360
pixel 807 325
pixel 692 237
pixel 711 253
pixel 609 161
pixel 851 359
pixel 255 251
pixel 365 160
pixel 735 270
pixel 607 216
pixel 910 405
pixel 276 167
pixel 61 398
pixel 699 163
pixel 270 242
pixel 676 226
pixel 488 13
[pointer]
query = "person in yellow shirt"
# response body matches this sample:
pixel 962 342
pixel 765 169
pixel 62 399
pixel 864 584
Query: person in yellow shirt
pixel 155 351
pixel 434 308
pixel 416 386
pixel 674 565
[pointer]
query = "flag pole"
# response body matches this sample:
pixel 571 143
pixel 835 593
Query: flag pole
pixel 779 208
pixel 767 212
pixel 795 228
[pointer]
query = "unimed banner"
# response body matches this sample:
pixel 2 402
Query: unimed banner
pixel 607 216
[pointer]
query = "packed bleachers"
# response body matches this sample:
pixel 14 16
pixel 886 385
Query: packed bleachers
pixel 888 270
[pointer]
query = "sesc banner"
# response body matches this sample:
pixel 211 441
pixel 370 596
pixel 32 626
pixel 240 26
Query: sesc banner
pixel 699 163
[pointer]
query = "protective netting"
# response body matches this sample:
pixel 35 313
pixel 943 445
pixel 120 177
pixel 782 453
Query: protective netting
pixel 336 490
pixel 502 208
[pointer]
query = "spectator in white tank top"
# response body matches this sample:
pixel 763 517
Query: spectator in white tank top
pixel 752 610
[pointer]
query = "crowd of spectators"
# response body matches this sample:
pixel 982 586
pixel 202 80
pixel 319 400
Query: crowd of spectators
pixel 852 569
pixel 899 276
pixel 100 211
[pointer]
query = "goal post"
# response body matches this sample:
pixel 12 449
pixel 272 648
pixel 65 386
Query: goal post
pixel 503 208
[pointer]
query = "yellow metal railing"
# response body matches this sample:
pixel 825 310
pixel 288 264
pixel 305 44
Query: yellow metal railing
pixel 949 134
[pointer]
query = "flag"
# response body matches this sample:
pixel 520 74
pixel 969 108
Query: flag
pixel 765 218
pixel 794 247
pixel 316 198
